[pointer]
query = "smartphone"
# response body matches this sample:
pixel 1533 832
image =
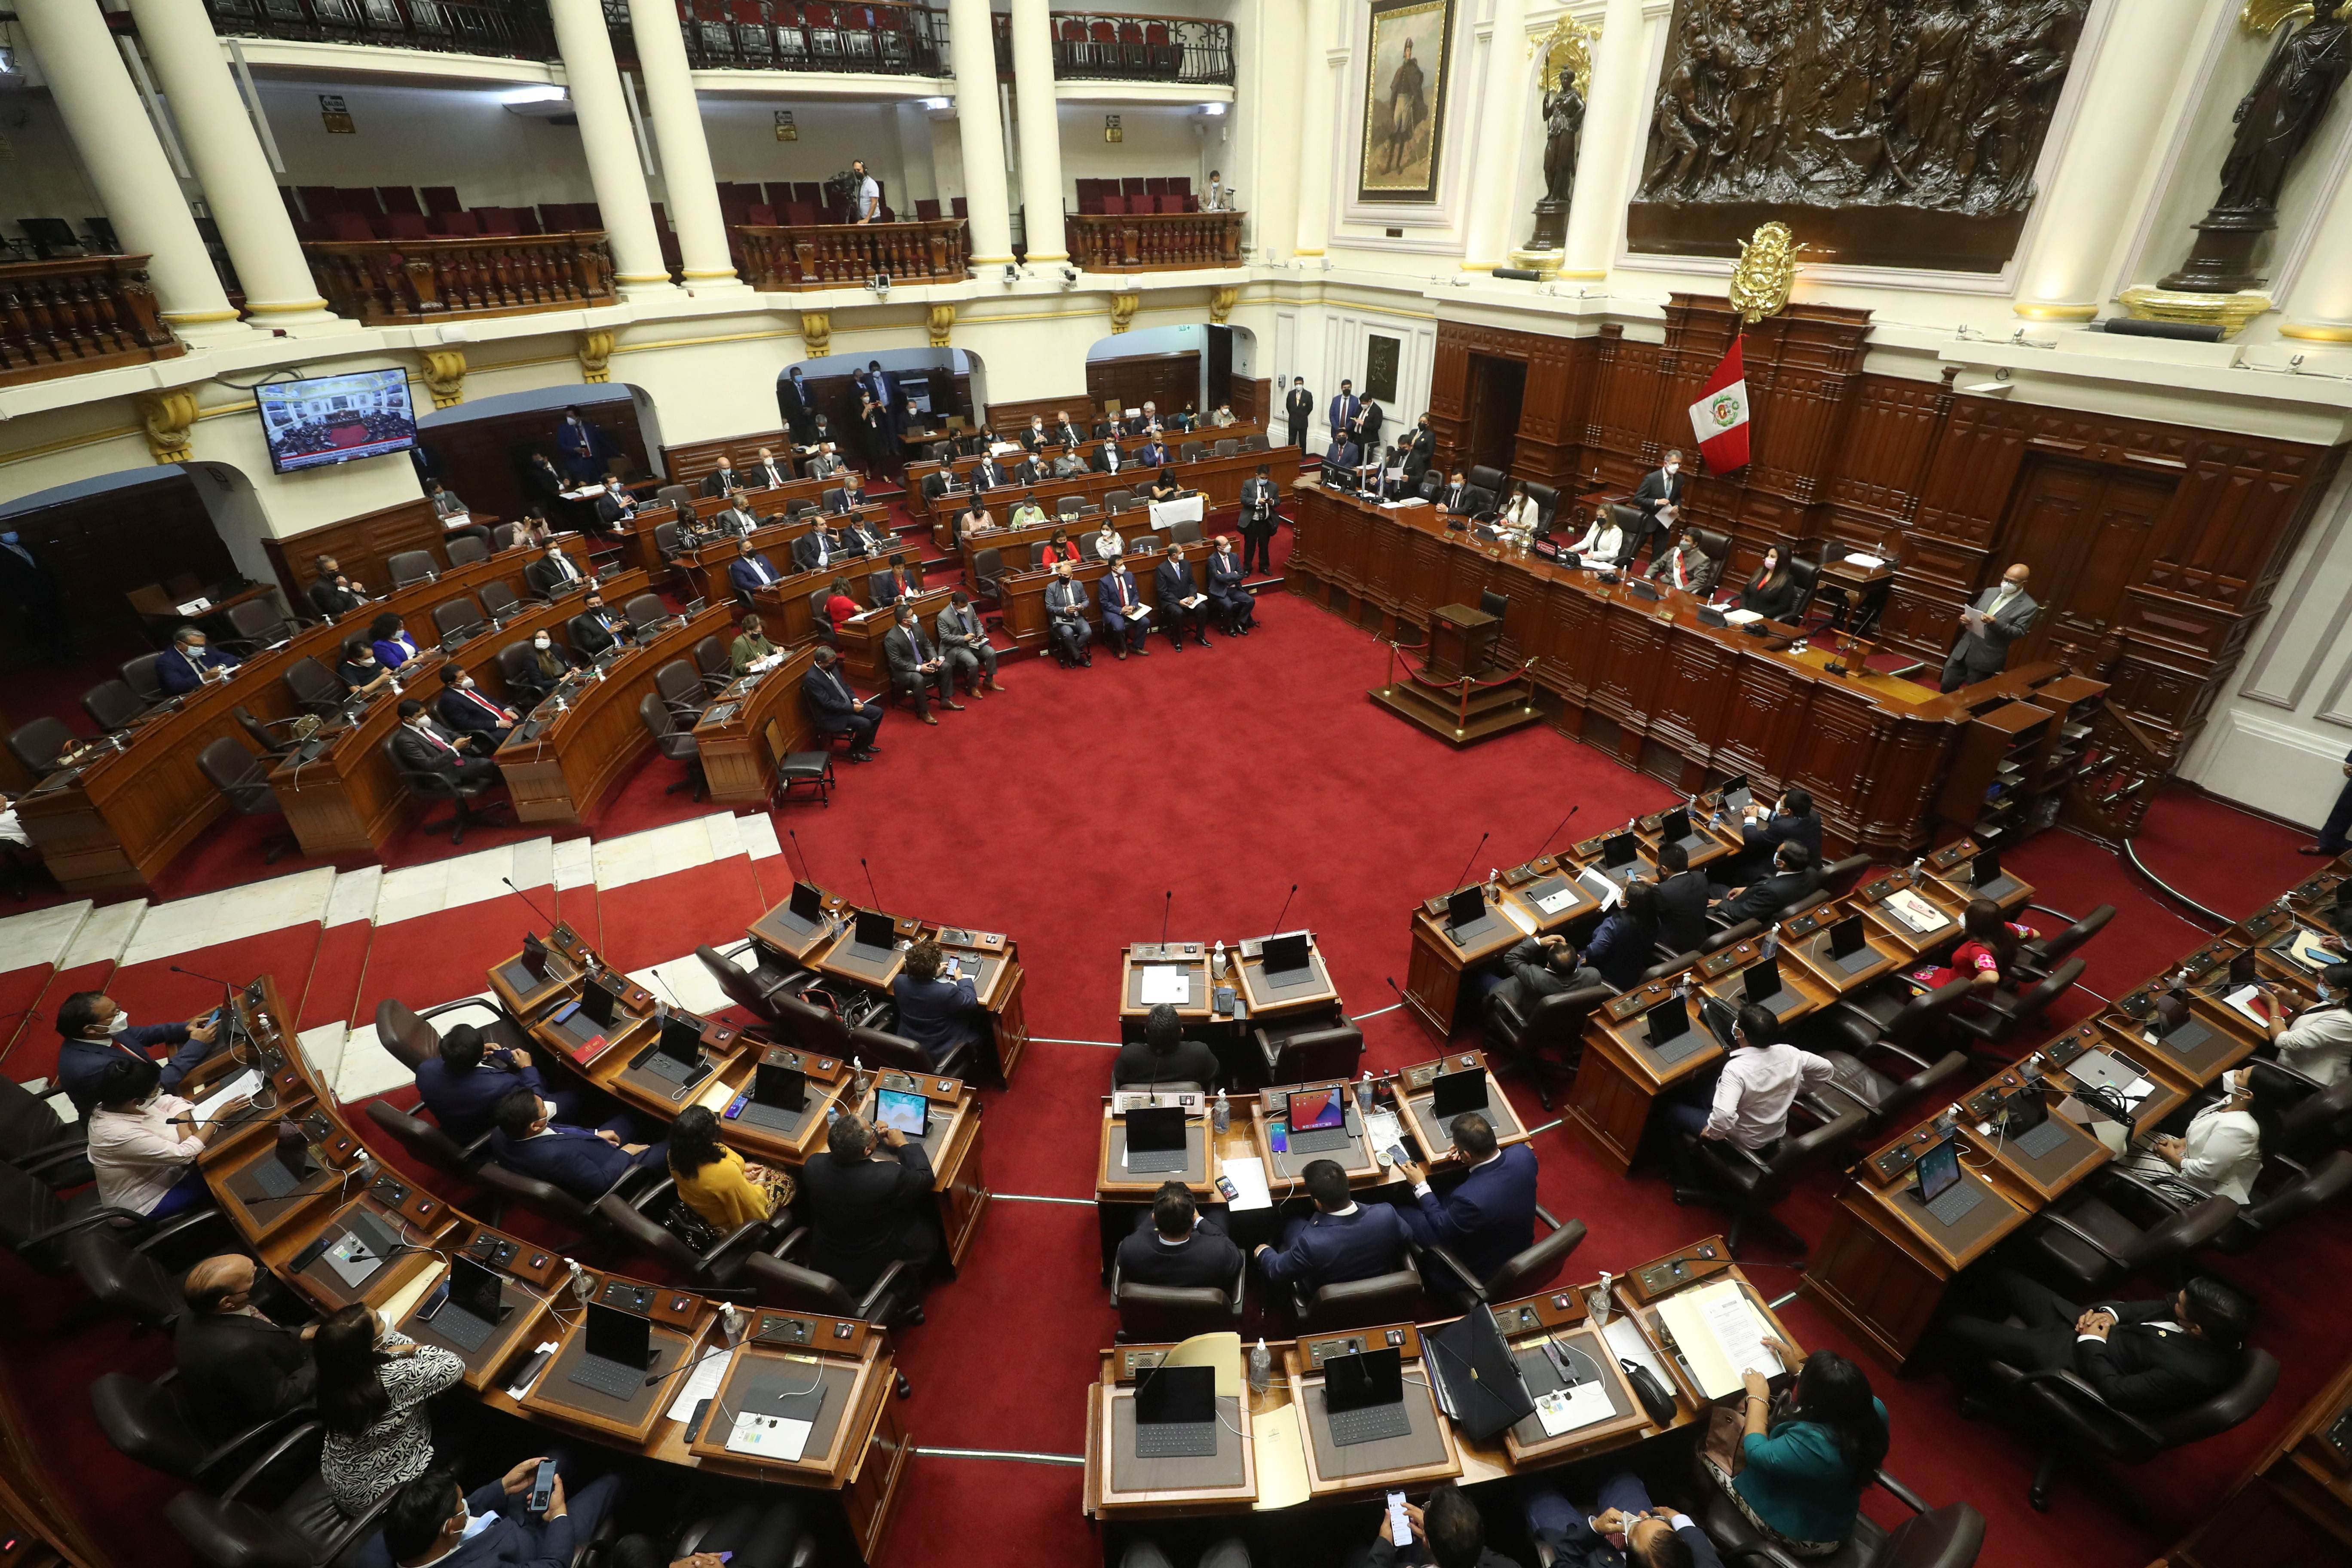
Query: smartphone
pixel 1395 1152
pixel 435 1302
pixel 542 1487
pixel 1278 1134
pixel 1226 1186
pixel 1400 1526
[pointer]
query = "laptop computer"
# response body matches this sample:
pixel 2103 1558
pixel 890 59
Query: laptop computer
pixel 1986 878
pixel 1849 951
pixel 474 1308
pixel 1289 967
pixel 619 1351
pixel 873 936
pixel 1667 1030
pixel 1176 1413
pixel 676 1055
pixel 1156 1140
pixel 779 1098
pixel 1620 853
pixel 1466 920
pixel 911 1113
pixel 1764 986
pixel 1483 1388
pixel 1319 1120
pixel 1453 1093
pixel 1938 1186
pixel 1363 1395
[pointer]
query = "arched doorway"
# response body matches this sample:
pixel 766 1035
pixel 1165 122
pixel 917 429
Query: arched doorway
pixel 945 385
pixel 481 450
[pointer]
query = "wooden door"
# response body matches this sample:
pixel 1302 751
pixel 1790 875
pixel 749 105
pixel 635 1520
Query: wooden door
pixel 2084 533
pixel 1496 386
pixel 1221 366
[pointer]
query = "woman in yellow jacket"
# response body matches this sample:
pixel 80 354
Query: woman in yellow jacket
pixel 714 1182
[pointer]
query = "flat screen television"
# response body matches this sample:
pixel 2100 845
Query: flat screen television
pixel 335 418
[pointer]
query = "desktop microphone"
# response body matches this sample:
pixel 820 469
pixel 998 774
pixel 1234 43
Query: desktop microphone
pixel 1165 907
pixel 1555 832
pixel 1285 910
pixel 534 908
pixel 1470 862
pixel 653 1378
pixel 870 881
pixel 794 834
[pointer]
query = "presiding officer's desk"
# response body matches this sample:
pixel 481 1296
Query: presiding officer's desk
pixel 1885 1263
pixel 1290 1434
pixel 858 1450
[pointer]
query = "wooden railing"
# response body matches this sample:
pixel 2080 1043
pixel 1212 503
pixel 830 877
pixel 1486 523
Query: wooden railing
pixel 1156 242
pixel 384 281
pixel 833 256
pixel 61 318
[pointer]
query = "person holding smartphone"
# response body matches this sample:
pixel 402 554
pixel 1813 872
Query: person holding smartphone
pixel 432 1521
pixel 1447 1531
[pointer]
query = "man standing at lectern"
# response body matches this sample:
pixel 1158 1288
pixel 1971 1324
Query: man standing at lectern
pixel 1660 497
pixel 2001 615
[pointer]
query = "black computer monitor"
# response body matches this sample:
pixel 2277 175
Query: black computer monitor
pixel 1620 850
pixel 1465 908
pixel 1938 1169
pixel 2024 1111
pixel 1364 1381
pixel 601 1002
pixel 1763 979
pixel 1452 1093
pixel 1285 955
pixel 783 1088
pixel 1668 1019
pixel 475 1289
pixel 615 1335
pixel 1673 828
pixel 681 1038
pixel 1155 1128
pixel 1313 1109
pixel 1846 937
pixel 2242 967
pixel 874 930
pixel 807 904
pixel 1985 870
pixel 1170 1395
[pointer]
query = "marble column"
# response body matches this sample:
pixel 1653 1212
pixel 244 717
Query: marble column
pixel 1040 130
pixel 1318 135
pixel 2320 309
pixel 610 145
pixel 687 179
pixel 1615 117
pixel 1502 137
pixel 973 44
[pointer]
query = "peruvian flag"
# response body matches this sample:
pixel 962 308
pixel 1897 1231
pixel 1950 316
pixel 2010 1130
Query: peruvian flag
pixel 1719 418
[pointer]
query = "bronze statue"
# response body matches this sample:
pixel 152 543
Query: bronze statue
pixel 1563 131
pixel 2275 120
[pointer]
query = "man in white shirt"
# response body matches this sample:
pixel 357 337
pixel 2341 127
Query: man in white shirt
pixel 1760 1080
pixel 869 193
pixel 2318 1043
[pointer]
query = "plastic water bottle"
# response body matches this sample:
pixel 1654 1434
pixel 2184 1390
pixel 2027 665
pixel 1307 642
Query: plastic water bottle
pixel 1217 965
pixel 1364 1093
pixel 1261 1367
pixel 1224 1113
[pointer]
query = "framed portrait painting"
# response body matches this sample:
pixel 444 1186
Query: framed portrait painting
pixel 1404 99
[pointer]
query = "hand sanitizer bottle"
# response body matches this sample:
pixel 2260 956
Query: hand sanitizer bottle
pixel 1261 1367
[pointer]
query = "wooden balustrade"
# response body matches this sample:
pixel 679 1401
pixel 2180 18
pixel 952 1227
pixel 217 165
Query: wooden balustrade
pixel 395 281
pixel 61 318
pixel 1156 242
pixel 791 258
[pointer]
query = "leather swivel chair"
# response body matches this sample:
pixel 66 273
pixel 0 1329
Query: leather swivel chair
pixel 112 705
pixel 2084 1246
pixel 465 550
pixel 1840 878
pixel 2037 958
pixel 677 745
pixel 1116 501
pixel 2003 1013
pixel 1805 571
pixel 804 1553
pixel 1394 1297
pixel 2323 1183
pixel 1546 499
pixel 460 793
pixel 1730 936
pixel 427 1144
pixel 38 1141
pixel 457 620
pixel 710 662
pixel 313 687
pixel 988 574
pixel 139 674
pixel 258 624
pixel 753 990
pixel 409 566
pixel 2317 1120
pixel 1327 1049
pixel 550 1202
pixel 258 731
pixel 681 687
pixel 810 1026
pixel 644 612
pixel 1486 479
pixel 1552 1024
pixel 1748 1187
pixel 411 1038
pixel 892 1300
pixel 1164 1314
pixel 1947 1537
pixel 1882 1096
pixel 1524 1273
pixel 125 1281
pixel 879 1050
pixel 709 1270
pixel 149 1423
pixel 38 1225
pixel 243 780
pixel 37 742
pixel 305 1529
pixel 2072 1422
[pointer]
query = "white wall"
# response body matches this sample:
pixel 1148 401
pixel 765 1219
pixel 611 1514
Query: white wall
pixel 744 145
pixel 1155 139
pixel 414 135
pixel 41 174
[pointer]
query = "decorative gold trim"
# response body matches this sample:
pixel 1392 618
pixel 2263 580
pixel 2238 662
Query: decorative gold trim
pixel 990 260
pixel 1122 312
pixel 1316 251
pixel 640 277
pixel 197 318
pixel 1544 264
pixel 1478 266
pixel 2266 16
pixel 1569 43
pixel 166 416
pixel 1765 273
pixel 1220 302
pixel 687 343
pixel 940 320
pixel 2033 310
pixel 2316 331
pixel 287 309
pixel 2230 312
pixel 595 355
pixel 816 332
pixel 444 376
pixel 1583 277
pixel 710 272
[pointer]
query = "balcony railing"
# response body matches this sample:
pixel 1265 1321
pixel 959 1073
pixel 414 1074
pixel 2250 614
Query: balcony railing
pixel 784 259
pixel 1156 242
pixel 1090 45
pixel 513 29
pixel 60 318
pixel 773 35
pixel 387 282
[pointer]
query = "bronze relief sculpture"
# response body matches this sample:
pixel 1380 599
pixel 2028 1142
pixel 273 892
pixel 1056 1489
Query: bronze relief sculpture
pixel 1901 133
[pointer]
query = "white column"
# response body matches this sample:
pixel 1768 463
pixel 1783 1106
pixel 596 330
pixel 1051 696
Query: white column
pixel 972 43
pixel 693 190
pixel 1041 130
pixel 226 154
pixel 610 145
pixel 1614 120
pixel 2320 309
pixel 2115 134
pixel 1502 125
pixel 1317 135
pixel 134 180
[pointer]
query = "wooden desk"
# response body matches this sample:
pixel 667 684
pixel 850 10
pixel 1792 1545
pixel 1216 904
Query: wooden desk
pixel 739 761
pixel 1427 1454
pixel 704 568
pixel 1023 600
pixel 1199 1005
pixel 1622 1075
pixel 1414 1094
pixel 859 639
pixel 1219 479
pixel 1513 912
pixel 1115 1183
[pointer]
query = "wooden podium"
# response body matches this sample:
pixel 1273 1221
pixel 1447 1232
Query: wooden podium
pixel 1461 641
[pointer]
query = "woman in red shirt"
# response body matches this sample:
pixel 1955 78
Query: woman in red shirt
pixel 1987 956
pixel 1059 549
pixel 838 606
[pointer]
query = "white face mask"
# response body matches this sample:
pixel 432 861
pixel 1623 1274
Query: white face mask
pixel 538 642
pixel 119 1022
pixel 1674 468
pixel 467 681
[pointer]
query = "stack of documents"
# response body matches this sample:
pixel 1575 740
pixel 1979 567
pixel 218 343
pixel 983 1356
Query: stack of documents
pixel 1720 1334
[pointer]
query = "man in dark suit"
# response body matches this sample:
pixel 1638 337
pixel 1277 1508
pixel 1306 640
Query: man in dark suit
pixel 1125 616
pixel 1660 497
pixel 550 576
pixel 596 628
pixel 584 1161
pixel 1236 605
pixel 1164 1056
pixel 838 709
pixel 768 470
pixel 1344 409
pixel 422 746
pixel 1489 1218
pixel 1179 1247
pixel 332 593
pixel 2002 614
pixel 867 1213
pixel 1538 966
pixel 192 662
pixel 819 548
pixel 2149 1358
pixel 1031 470
pixel 1420 451
pixel 1066 434
pixel 800 407
pixel 97 1030
pixel 963 641
pixel 1182 602
pixel 1340 461
pixel 1152 454
pixel 939 484
pixel 1368 419
pixel 916 665
pixel 434 1521
pixel 613 507
pixel 1297 409
pixel 238 1369
pixel 1261 501
pixel 462 1084
pixel 1033 435
pixel 988 474
pixel 849 497
pixel 1109 459
pixel 750 571
pixel 29 588
pixel 466 711
pixel 1340 1241
pixel 1793 877
pixel 2336 832
pixel 736 519
pixel 722 479
pixel 1683 895
pixel 1792 821
pixel 861 537
pixel 1065 611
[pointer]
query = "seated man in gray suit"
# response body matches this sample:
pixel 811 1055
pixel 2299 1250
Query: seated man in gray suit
pixel 2001 615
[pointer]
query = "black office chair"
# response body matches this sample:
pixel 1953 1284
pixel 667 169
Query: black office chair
pixel 876 1048
pixel 754 989
pixel 644 612
pixel 259 623
pixel 503 536
pixel 122 1281
pixel 410 1037
pixel 461 796
pixel 804 1553
pixel 988 574
pixel 35 1139
pixel 1324 1048
pixel 113 706
pixel 465 550
pixel 409 566
pixel 1067 506
pixel 677 745
pixel 895 1298
pixel 1116 501
pixel 1882 1096
pixel 550 1202
pixel 38 1225
pixel 2002 1013
pixel 1840 878
pixel 1253 442
pixel 1748 1187
pixel 1191 451
pixel 139 674
pixel 1947 1537
pixel 715 1269
pixel 2083 1245
pixel 2037 957
pixel 149 1423
pixel 37 742
pixel 1552 1024
pixel 314 687
pixel 2324 1184
pixel 1393 1298
pixel 810 1028
pixel 1184 532
pixel 711 662
pixel 457 619
pixel 1486 479
pixel 258 731
pixel 683 693
pixel 243 780
pixel 430 1146
pixel 1524 1273
pixel 1165 1314
pixel 305 1529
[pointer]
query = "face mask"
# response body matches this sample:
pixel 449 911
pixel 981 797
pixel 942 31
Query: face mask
pixel 119 1022
pixel 367 661
pixel 538 642
pixel 467 682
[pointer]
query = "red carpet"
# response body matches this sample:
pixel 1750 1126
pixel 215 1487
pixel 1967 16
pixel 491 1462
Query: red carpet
pixel 662 918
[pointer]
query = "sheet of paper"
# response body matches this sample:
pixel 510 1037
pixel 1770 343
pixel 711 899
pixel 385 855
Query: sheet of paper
pixel 1248 1175
pixel 1553 903
pixel 1281 1454
pixel 1867 562
pixel 1915 911
pixel 1520 918
pixel 1719 1335
pixel 1571 1409
pixel 1600 888
pixel 701 1384
pixel 1382 1127
pixel 245 1083
pixel 769 1437
pixel 1219 1352
pixel 1166 983
pixel 1624 1337
pixel 1740 617
pixel 2248 1000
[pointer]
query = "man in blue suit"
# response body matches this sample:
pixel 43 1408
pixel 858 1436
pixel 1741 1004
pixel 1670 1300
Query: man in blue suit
pixel 468 712
pixel 191 663
pixel 1344 409
pixel 837 710
pixel 1341 1240
pixel 751 572
pixel 432 1520
pixel 582 1162
pixel 1124 612
pixel 1489 1218
pixel 96 1031
pixel 462 1085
